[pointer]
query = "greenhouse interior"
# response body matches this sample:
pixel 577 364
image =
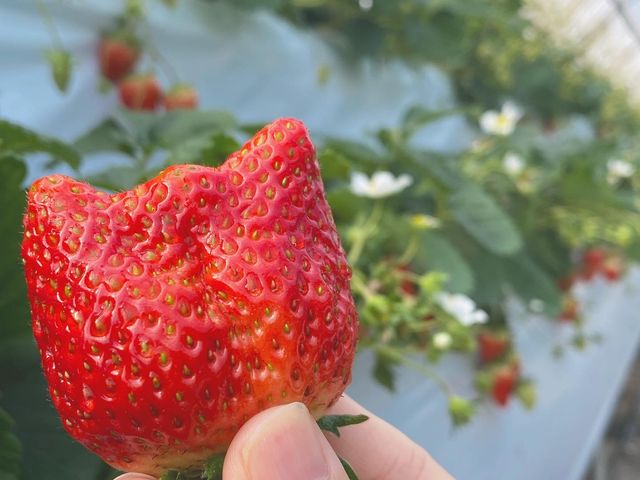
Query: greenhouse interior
pixel 320 239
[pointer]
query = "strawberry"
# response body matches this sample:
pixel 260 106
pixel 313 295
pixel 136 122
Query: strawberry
pixel 593 258
pixel 504 383
pixel 492 345
pixel 140 92
pixel 570 309
pixel 117 55
pixel 612 268
pixel 168 315
pixel 407 285
pixel 182 97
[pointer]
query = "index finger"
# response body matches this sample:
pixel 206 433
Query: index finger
pixel 378 451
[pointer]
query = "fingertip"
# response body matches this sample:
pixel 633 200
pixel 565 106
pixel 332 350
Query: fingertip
pixel 282 442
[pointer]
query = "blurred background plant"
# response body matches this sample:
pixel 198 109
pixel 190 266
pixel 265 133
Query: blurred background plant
pixel 545 197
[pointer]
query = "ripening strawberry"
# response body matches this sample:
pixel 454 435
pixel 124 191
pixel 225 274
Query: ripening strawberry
pixel 612 268
pixel 492 345
pixel 570 309
pixel 118 56
pixel 140 92
pixel 168 315
pixel 504 383
pixel 593 257
pixel 181 97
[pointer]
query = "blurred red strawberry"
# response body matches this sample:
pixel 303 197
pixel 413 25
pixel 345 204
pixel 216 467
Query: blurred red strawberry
pixel 140 92
pixel 570 309
pixel 594 257
pixel 181 97
pixel 492 345
pixel 505 381
pixel 118 55
pixel 612 268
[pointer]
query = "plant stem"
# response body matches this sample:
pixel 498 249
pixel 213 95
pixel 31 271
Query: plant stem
pixel 367 228
pixel 421 368
pixel 410 251
pixel 47 19
pixel 156 55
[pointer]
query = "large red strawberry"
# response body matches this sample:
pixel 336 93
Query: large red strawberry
pixel 168 315
pixel 140 92
pixel 181 97
pixel 117 55
pixel 492 345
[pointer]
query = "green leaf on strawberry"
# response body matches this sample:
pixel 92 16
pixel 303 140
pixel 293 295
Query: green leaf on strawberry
pixel 331 423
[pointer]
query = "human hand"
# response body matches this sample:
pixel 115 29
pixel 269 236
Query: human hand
pixel 285 443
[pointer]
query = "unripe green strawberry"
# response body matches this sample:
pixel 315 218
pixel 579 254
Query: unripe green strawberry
pixel 168 315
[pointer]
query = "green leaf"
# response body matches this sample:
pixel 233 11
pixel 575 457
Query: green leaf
pixel 10 449
pixel 484 220
pixel 345 205
pixel 438 255
pixel 358 154
pixel 530 282
pixel 351 475
pixel 418 116
pixel 213 467
pixel 383 371
pixel 119 178
pixel 490 278
pixel 220 146
pixel 210 150
pixel 182 125
pixel 441 168
pixel 108 136
pixel 17 140
pixel 13 297
pixel 139 126
pixel 331 423
pixel 333 164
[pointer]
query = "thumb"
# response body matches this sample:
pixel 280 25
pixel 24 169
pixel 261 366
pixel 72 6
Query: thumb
pixel 285 443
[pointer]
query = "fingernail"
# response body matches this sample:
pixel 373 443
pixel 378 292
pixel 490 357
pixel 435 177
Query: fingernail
pixel 288 445
pixel 134 476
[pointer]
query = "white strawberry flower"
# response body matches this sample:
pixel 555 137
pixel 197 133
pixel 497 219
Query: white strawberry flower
pixel 442 340
pixel 513 164
pixel 462 308
pixel 502 122
pixel 381 184
pixel 619 169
